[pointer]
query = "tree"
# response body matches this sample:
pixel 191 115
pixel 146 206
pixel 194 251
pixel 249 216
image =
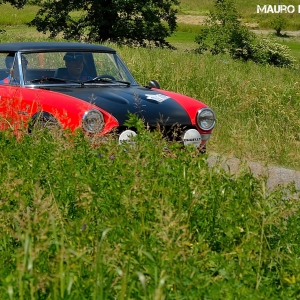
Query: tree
pixel 279 23
pixel 134 22
pixel 224 32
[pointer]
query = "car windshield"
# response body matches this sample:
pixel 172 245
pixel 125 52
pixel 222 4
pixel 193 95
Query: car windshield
pixel 72 68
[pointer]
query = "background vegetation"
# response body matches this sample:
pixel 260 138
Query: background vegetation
pixel 81 222
pixel 248 10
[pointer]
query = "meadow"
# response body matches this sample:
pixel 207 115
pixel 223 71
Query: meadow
pixel 111 222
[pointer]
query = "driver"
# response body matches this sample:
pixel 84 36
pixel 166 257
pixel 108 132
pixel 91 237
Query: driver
pixel 75 65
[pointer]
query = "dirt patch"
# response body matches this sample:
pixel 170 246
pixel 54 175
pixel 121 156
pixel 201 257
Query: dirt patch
pixel 191 20
pixel 276 176
pixel 200 20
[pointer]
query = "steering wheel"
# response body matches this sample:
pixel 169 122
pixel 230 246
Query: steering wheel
pixel 105 76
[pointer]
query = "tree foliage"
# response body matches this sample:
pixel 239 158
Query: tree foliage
pixel 135 22
pixel 279 23
pixel 224 31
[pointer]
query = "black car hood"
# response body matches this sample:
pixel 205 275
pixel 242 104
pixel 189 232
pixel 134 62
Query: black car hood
pixel 153 106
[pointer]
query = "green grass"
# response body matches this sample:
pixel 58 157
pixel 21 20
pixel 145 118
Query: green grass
pixel 194 7
pixel 257 106
pixel 293 44
pixel 183 40
pixel 13 16
pixel 102 223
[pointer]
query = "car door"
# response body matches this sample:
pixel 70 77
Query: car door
pixel 7 111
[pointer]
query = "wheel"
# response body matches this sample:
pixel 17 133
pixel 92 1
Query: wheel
pixel 44 120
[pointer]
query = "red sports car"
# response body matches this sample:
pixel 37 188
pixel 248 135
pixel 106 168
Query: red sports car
pixel 89 86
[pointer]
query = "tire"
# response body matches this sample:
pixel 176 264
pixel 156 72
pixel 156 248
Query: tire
pixel 42 121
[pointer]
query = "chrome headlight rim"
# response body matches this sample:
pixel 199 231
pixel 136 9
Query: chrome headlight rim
pixel 93 126
pixel 201 114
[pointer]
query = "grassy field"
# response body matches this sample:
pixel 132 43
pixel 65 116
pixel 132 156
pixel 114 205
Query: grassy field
pixel 257 106
pixel 111 222
pixel 102 223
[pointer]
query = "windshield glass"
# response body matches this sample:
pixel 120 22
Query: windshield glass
pixel 66 67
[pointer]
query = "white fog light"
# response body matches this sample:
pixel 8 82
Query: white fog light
pixel 191 137
pixel 127 137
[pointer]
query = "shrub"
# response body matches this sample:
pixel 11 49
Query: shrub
pixel 224 32
pixel 265 51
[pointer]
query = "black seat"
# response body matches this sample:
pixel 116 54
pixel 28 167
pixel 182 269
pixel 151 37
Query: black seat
pixel 61 73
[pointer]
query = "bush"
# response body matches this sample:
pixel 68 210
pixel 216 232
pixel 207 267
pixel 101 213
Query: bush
pixel 224 32
pixel 233 40
pixel 265 51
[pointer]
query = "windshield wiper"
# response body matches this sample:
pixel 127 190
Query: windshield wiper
pixel 48 80
pixel 98 79
pixel 105 80
pixel 53 80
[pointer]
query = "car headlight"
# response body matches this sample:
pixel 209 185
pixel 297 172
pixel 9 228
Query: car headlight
pixel 206 118
pixel 93 121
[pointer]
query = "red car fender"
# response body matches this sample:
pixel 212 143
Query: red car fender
pixel 190 105
pixel 66 109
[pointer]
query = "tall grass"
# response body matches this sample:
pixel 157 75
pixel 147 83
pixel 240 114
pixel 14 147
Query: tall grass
pixel 257 106
pixel 79 222
pixel 13 16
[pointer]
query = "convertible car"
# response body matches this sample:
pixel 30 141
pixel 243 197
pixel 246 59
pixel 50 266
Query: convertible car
pixel 88 86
